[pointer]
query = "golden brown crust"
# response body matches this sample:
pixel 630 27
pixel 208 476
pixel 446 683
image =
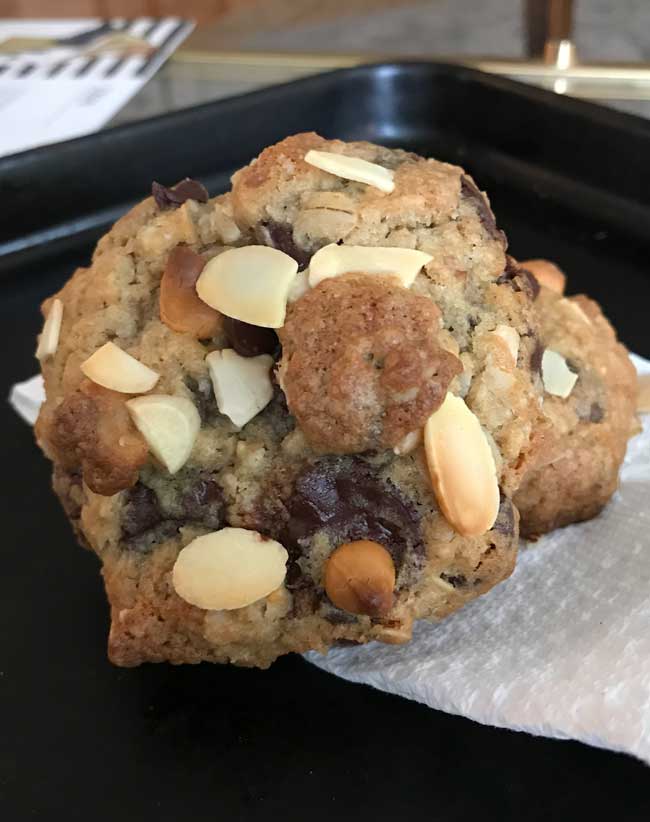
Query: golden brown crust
pixel 91 431
pixel 279 186
pixel 249 478
pixel 362 365
pixel 180 306
pixel 576 472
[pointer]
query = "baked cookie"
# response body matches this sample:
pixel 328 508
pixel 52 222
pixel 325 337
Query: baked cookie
pixel 295 414
pixel 590 403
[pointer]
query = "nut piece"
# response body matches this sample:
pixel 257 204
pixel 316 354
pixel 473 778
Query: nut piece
pixel 408 443
pixel 557 377
pixel 511 338
pixel 576 309
pixel 242 385
pixel 360 578
pixel 352 168
pixel 91 429
pixel 113 368
pixel 251 284
pixel 169 425
pixel 49 339
pixel 547 274
pixel 334 259
pixel 180 306
pixel 229 569
pixel 462 468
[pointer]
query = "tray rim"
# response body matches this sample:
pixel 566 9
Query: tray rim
pixel 17 251
pixel 604 114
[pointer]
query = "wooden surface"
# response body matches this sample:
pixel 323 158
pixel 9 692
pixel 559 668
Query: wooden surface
pixel 200 10
pixel 231 14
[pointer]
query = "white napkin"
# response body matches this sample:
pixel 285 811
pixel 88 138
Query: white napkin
pixel 561 649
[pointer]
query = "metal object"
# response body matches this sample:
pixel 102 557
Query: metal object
pixel 553 63
pixel 592 81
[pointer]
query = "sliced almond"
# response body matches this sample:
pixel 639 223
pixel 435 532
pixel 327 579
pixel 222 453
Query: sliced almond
pixel 242 385
pixel 169 425
pixel 299 286
pixel 557 377
pixel 352 168
pixel 334 259
pixel 180 306
pixel 49 339
pixel 229 569
pixel 547 274
pixel 113 368
pixel 576 309
pixel 462 468
pixel 408 443
pixel 510 337
pixel 396 634
pixel 250 284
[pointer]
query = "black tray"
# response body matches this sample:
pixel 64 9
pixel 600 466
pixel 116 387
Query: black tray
pixel 81 739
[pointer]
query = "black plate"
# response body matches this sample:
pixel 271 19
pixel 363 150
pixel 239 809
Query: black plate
pixel 81 739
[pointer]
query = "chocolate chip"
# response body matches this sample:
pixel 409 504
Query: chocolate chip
pixel 203 502
pixel 280 236
pixel 596 413
pixel 141 511
pixel 175 196
pixel 250 340
pixel 536 358
pixel 455 580
pixel 344 497
pixel 505 521
pixel 519 279
pixel 470 192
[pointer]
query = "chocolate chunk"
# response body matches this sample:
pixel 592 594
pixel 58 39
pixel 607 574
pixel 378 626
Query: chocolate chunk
pixel 344 497
pixel 280 236
pixel 204 399
pixel 470 192
pixel 203 502
pixel 145 522
pixel 175 196
pixel 519 279
pixel 455 580
pixel 505 521
pixel 536 358
pixel 596 413
pixel 250 340
pixel 141 511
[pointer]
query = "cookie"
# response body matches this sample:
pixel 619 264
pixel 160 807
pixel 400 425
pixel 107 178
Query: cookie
pixel 295 414
pixel 589 402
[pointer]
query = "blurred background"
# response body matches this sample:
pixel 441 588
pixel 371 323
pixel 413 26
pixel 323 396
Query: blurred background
pixel 201 50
